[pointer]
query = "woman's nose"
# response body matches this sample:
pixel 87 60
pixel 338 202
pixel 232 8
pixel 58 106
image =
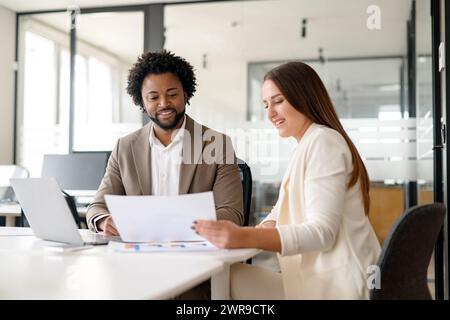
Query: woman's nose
pixel 271 112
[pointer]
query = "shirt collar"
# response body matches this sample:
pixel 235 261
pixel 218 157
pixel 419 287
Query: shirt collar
pixel 154 141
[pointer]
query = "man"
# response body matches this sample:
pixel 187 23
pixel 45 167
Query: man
pixel 172 154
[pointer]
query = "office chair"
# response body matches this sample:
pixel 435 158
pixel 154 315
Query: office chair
pixel 246 178
pixel 11 171
pixel 6 191
pixel 8 172
pixel 406 254
pixel 73 208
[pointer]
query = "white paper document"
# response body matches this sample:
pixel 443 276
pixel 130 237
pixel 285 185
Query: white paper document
pixel 160 218
pixel 184 246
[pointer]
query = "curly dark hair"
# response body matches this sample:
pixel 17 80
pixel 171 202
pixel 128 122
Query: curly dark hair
pixel 158 63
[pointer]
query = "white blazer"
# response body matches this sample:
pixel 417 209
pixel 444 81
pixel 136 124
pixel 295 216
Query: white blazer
pixel 326 238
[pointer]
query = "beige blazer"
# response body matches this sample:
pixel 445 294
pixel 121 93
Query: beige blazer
pixel 209 164
pixel 327 240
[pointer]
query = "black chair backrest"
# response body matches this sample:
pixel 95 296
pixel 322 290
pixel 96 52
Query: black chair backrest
pixel 407 252
pixel 246 178
pixel 73 208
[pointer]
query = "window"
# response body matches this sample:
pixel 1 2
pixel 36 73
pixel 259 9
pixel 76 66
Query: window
pixel 44 128
pixel 103 111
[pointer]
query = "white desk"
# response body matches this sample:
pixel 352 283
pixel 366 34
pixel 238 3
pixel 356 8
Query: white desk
pixel 53 276
pixel 27 271
pixel 11 211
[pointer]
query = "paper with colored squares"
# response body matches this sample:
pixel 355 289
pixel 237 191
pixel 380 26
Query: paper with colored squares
pixel 136 247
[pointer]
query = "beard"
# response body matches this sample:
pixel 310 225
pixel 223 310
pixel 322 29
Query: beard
pixel 168 125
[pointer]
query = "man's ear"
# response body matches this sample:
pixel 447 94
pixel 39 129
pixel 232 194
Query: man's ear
pixel 185 98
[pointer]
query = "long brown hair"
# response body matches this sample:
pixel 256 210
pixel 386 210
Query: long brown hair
pixel 303 89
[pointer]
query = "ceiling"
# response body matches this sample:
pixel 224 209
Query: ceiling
pixel 39 5
pixel 264 30
pixel 248 30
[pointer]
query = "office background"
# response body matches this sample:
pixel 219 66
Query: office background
pixel 62 85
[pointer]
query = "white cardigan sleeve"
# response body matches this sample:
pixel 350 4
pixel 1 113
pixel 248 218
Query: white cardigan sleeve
pixel 327 161
pixel 273 215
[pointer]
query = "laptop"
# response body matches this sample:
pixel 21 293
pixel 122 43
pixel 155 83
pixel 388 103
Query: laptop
pixel 49 215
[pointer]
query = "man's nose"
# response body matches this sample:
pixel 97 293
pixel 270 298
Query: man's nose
pixel 163 102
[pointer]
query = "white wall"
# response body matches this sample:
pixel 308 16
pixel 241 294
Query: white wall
pixel 7 48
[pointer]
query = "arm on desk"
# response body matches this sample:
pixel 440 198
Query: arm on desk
pixel 227 235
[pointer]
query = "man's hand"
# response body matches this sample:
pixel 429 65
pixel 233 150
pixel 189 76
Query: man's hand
pixel 107 226
pixel 267 224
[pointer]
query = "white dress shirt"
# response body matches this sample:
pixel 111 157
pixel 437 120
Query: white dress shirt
pixel 165 166
pixel 166 163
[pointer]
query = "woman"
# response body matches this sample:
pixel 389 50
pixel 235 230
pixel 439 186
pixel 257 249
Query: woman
pixel 319 225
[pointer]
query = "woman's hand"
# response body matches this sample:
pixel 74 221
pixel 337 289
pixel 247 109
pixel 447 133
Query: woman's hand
pixel 227 235
pixel 108 227
pixel 223 234
pixel 267 224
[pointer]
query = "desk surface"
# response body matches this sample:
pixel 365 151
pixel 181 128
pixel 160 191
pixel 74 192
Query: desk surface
pixel 14 210
pixel 55 276
pixel 27 271
pixel 10 210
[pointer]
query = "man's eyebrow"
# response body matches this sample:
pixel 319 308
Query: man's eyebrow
pixel 153 91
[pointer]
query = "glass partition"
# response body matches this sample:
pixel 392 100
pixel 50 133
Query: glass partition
pixel 233 44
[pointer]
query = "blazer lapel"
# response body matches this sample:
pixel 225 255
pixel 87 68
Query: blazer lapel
pixel 141 154
pixel 192 150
